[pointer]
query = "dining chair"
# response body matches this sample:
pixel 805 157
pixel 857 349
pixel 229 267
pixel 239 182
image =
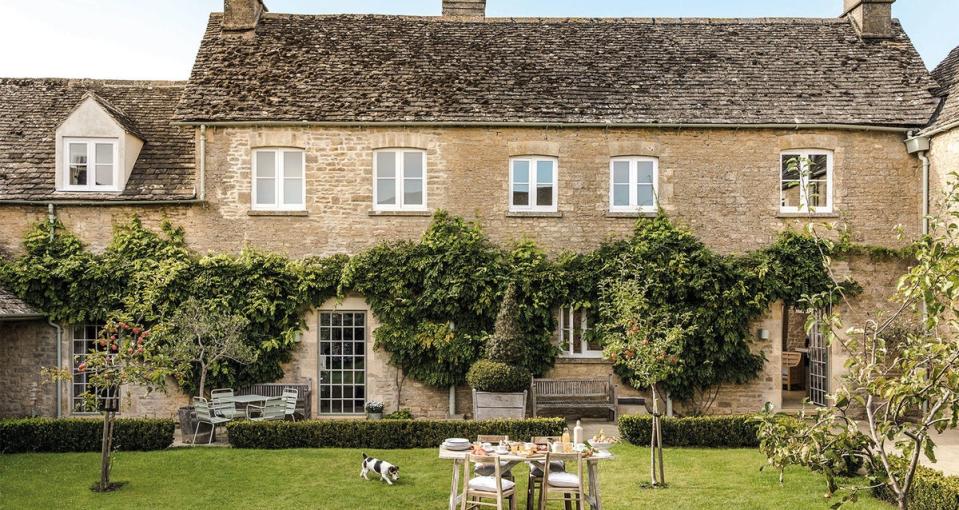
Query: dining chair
pixel 536 471
pixel 480 488
pixel 567 484
pixel 290 396
pixel 487 469
pixel 222 407
pixel 205 415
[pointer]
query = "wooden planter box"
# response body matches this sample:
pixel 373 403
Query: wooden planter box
pixel 488 406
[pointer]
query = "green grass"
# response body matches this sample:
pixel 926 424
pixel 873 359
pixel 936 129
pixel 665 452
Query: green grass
pixel 329 479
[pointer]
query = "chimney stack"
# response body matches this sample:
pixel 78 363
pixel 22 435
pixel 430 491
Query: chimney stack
pixel 464 8
pixel 242 15
pixel 872 18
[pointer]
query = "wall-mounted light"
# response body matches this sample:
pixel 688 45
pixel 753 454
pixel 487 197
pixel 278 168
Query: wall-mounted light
pixel 763 334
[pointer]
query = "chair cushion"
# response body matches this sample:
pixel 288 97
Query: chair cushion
pixel 488 484
pixel 568 480
pixel 489 469
pixel 536 468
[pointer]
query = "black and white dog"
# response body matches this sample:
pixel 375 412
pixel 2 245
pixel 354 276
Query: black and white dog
pixel 388 472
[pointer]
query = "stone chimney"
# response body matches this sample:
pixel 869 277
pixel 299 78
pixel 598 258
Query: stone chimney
pixel 464 8
pixel 872 18
pixel 242 15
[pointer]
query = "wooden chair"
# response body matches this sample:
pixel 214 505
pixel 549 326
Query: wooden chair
pixel 791 361
pixel 487 469
pixel 204 414
pixel 494 487
pixel 272 409
pixel 535 479
pixel 290 397
pixel 567 484
pixel 225 408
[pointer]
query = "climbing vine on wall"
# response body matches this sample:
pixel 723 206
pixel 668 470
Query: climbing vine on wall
pixel 435 298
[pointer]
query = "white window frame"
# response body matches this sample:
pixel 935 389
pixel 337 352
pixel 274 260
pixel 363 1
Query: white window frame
pixel 633 184
pixel 91 144
pixel 278 160
pixel 567 321
pixel 78 378
pixel 533 207
pixel 400 177
pixel 803 206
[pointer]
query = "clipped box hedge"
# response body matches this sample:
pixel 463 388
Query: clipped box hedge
pixel 82 435
pixel 931 490
pixel 380 434
pixel 735 431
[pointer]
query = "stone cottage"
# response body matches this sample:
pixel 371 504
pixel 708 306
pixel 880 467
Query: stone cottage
pixel 315 135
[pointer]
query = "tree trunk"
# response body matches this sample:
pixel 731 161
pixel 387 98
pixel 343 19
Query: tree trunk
pixel 105 445
pixel 202 393
pixel 654 439
pixel 659 446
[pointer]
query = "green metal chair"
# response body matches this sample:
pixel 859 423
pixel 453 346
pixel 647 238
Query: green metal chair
pixel 204 414
pixel 223 407
pixel 272 409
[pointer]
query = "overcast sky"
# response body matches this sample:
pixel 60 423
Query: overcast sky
pixel 150 39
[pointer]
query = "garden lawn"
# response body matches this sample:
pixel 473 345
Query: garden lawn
pixel 329 479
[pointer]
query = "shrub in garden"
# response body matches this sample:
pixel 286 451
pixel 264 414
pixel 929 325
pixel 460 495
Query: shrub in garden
pixel 82 435
pixel 733 431
pixel 931 490
pixel 503 369
pixel 486 375
pixel 380 434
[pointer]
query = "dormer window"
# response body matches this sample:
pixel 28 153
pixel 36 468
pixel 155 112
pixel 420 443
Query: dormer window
pixel 91 164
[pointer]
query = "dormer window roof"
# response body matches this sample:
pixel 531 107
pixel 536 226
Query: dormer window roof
pixel 97 146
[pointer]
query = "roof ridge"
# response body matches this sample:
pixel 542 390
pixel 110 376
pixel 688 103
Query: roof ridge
pixel 108 82
pixel 566 19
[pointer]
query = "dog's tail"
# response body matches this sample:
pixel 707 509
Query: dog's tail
pixel 365 456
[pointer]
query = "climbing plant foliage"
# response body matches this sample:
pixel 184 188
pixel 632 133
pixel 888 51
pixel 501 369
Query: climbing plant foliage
pixel 435 298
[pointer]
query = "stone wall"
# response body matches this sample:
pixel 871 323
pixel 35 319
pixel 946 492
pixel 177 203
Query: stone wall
pixel 943 160
pixel 721 183
pixel 26 347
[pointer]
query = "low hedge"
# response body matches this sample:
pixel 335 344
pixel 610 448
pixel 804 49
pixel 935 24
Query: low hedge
pixel 380 434
pixel 82 435
pixel 931 490
pixel 735 431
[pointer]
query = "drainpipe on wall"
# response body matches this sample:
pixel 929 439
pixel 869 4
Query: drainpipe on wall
pixel 202 190
pixel 52 218
pixel 919 145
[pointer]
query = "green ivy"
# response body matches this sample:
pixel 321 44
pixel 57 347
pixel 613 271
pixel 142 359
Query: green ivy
pixel 436 299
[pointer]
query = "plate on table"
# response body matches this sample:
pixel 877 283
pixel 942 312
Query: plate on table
pixel 457 444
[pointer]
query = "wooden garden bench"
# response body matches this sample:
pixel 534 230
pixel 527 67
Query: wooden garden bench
pixel 574 394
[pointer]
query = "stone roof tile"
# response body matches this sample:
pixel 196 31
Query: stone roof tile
pixel 371 68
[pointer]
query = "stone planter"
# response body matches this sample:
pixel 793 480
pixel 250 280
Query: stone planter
pixel 188 424
pixel 489 406
pixel 374 416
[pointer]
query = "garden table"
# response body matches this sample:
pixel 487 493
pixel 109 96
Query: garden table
pixel 246 400
pixel 511 460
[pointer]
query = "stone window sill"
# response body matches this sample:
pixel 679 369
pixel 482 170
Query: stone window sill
pixel 277 213
pixel 807 215
pixel 633 214
pixel 567 360
pixel 533 214
pixel 371 212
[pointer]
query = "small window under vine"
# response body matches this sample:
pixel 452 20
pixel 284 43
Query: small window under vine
pixel 575 337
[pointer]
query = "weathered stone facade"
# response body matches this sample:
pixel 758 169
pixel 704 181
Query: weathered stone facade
pixel 26 347
pixel 722 183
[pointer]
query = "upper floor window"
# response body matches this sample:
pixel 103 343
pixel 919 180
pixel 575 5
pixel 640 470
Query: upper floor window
pixel 806 181
pixel 91 164
pixel 399 180
pixel 633 184
pixel 575 339
pixel 533 184
pixel 279 180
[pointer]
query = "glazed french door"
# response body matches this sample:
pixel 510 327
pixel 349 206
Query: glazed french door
pixel 818 363
pixel 342 379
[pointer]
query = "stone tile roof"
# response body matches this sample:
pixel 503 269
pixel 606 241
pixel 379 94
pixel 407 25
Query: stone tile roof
pixel 31 110
pixel 349 68
pixel 947 76
pixel 12 307
pixel 125 121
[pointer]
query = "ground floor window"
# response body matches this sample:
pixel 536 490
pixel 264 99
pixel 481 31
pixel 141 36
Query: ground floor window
pixel 342 362
pixel 575 339
pixel 85 340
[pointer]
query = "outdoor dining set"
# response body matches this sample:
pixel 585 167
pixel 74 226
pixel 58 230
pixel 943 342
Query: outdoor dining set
pixel 225 406
pixel 487 480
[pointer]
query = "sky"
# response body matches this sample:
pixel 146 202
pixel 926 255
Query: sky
pixel 158 39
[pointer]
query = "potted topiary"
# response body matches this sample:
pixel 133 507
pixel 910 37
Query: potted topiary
pixel 374 410
pixel 500 380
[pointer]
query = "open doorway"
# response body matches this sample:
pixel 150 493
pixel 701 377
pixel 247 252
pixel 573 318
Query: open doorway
pixel 804 360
